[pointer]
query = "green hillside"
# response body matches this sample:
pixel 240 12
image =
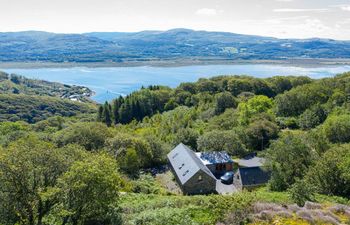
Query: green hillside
pixel 35 100
pixel 111 169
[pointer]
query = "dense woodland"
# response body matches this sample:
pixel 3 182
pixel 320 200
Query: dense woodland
pixel 95 169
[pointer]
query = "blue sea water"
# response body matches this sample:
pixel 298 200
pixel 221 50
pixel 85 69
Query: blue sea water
pixel 110 82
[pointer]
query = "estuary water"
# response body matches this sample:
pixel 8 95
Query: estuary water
pixel 110 82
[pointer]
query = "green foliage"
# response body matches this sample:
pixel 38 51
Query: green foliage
pixel 44 179
pixel 222 141
pixel 90 135
pixel 16 84
pixel 186 136
pixel 330 174
pixel 288 159
pixel 337 128
pixel 312 117
pixel 224 101
pixel 225 121
pixel 126 145
pixel 158 209
pixel 147 184
pixel 302 191
pixel 130 163
pixel 259 133
pixel 88 192
pixel 28 167
pixel 11 131
pixel 257 104
pixel 36 108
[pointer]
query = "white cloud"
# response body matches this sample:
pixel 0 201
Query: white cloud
pixel 299 10
pixel 345 7
pixel 207 12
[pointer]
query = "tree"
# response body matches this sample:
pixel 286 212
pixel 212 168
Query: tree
pixel 330 174
pixel 130 163
pixel 224 101
pixel 337 128
pixel 259 133
pixel 237 86
pixel 312 117
pixel 288 159
pixel 186 136
pixel 255 105
pixel 121 142
pixel 205 85
pixel 115 109
pixel 88 192
pixel 280 84
pixel 28 167
pixel 100 113
pixel 222 141
pixel 302 191
pixel 106 114
pixel 90 135
pixel 297 100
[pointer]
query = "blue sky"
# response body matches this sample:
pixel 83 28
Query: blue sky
pixel 278 18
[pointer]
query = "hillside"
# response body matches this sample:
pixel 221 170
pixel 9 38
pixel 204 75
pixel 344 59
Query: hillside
pixel 35 100
pixel 114 170
pixel 184 44
pixel 17 84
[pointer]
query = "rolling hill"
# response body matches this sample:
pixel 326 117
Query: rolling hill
pixel 36 46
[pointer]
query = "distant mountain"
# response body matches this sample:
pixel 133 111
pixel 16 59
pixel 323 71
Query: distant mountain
pixel 32 46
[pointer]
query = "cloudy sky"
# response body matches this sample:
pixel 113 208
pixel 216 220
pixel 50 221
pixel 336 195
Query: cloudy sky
pixel 278 18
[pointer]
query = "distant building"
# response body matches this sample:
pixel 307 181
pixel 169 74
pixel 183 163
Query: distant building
pixel 191 174
pixel 250 173
pixel 217 162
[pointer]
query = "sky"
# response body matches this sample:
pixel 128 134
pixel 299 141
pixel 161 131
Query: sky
pixel 276 18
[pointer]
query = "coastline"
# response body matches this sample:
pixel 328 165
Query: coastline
pixel 177 63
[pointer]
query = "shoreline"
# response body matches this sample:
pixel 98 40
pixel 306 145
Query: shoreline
pixel 308 63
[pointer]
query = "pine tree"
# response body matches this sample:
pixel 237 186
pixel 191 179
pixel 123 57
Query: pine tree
pixel 115 111
pixel 100 113
pixel 107 118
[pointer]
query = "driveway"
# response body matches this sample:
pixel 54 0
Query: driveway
pixel 224 188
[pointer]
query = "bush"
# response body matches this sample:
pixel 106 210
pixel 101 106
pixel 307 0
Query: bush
pixel 90 135
pixel 301 191
pixel 337 128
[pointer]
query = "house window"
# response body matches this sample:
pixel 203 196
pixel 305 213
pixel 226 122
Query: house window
pixel 200 178
pixel 220 167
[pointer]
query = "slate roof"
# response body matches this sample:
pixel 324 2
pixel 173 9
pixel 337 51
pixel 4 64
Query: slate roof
pixel 185 163
pixel 214 157
pixel 250 161
pixel 253 176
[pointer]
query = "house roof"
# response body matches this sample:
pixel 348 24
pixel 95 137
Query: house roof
pixel 214 157
pixel 253 176
pixel 250 161
pixel 185 163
